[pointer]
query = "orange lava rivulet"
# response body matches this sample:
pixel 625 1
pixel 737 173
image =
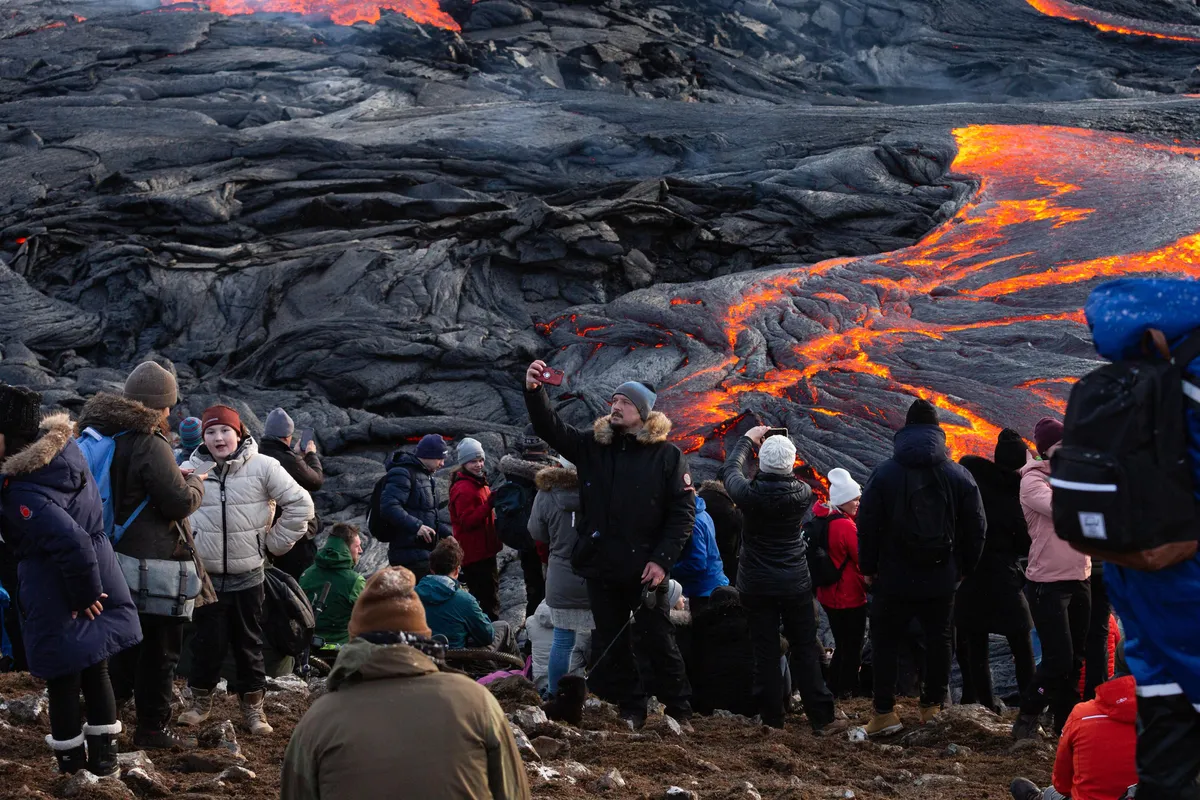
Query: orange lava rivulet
pixel 1115 23
pixel 343 12
pixel 1053 206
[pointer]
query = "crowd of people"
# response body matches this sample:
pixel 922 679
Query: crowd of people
pixel 705 596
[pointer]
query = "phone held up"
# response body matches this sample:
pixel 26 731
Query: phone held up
pixel 775 432
pixel 306 436
pixel 552 376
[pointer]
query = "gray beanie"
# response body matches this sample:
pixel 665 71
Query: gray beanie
pixel 642 396
pixel 279 425
pixel 152 385
pixel 469 450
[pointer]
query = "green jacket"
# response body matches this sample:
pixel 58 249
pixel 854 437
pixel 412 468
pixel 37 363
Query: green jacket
pixel 452 612
pixel 335 567
pixel 392 725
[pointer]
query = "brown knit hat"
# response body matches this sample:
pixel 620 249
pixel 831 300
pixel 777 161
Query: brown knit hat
pixel 152 386
pixel 389 603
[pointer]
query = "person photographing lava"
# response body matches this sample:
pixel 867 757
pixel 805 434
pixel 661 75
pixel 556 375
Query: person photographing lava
pixel 637 513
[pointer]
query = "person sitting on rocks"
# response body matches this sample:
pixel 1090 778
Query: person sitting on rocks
pixel 451 610
pixel 305 468
pixel 409 506
pixel 189 439
pixel 474 526
pixel 1097 754
pixel 699 569
pixel 391 711
pixel 335 566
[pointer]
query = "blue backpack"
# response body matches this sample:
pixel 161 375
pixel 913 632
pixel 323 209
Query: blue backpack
pixel 98 450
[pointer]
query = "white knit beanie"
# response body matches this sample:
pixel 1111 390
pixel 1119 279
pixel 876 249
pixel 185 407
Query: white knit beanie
pixel 842 488
pixel 777 455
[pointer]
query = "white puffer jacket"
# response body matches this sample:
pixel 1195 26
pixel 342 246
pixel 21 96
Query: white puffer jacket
pixel 233 523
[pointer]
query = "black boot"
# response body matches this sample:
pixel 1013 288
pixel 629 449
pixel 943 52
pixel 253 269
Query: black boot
pixel 71 754
pixel 102 748
pixel 1024 789
pixel 162 739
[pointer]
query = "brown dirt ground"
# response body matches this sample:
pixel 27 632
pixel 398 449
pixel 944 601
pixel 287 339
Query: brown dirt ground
pixel 714 761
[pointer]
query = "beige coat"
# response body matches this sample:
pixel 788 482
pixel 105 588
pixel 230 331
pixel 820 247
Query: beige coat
pixel 233 526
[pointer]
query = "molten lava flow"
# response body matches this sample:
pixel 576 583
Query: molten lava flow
pixel 1115 23
pixel 343 12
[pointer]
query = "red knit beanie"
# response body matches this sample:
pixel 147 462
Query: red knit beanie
pixel 221 415
pixel 1047 433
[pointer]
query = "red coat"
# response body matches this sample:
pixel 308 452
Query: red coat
pixel 849 591
pixel 1097 752
pixel 472 518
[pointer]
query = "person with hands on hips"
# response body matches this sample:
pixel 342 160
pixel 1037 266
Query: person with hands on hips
pixel 637 512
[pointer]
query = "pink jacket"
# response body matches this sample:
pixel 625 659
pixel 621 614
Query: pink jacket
pixel 1050 558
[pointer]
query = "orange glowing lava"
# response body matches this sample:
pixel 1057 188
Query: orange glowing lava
pixel 1115 23
pixel 343 12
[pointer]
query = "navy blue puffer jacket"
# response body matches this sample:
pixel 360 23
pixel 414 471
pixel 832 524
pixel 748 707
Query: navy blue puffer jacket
pixel 408 502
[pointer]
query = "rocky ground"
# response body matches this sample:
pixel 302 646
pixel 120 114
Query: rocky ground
pixel 967 754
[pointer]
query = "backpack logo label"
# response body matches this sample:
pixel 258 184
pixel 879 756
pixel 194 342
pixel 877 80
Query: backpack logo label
pixel 1092 525
pixel 25 512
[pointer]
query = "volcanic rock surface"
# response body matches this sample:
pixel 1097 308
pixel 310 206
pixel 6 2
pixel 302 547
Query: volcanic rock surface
pixel 798 211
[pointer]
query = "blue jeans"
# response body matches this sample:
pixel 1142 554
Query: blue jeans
pixel 560 657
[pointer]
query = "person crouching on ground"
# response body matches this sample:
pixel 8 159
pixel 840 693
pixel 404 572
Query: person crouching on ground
pixel 474 526
pixel 845 602
pixel 391 715
pixel 78 612
pixel 773 576
pixel 451 610
pixel 231 527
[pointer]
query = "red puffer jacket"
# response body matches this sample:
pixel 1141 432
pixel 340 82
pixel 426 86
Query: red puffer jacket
pixel 1097 752
pixel 472 518
pixel 849 591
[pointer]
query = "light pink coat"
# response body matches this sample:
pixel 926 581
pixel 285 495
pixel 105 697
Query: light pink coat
pixel 1050 558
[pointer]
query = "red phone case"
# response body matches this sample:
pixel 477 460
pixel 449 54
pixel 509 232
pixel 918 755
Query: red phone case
pixel 552 376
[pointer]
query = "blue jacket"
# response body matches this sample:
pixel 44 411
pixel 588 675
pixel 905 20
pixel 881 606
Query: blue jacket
pixel 699 569
pixel 1158 609
pixel 408 502
pixel 452 612
pixel 50 513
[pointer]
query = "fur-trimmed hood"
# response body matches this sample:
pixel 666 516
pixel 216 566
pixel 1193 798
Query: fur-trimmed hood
pixel 56 432
pixel 553 478
pixel 656 429
pixel 518 467
pixel 714 486
pixel 111 413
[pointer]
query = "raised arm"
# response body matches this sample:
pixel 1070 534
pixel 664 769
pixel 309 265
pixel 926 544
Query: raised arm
pixel 564 438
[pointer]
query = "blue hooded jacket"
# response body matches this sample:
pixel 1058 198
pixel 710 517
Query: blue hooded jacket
pixel 452 612
pixel 50 514
pixel 1158 609
pixel 699 568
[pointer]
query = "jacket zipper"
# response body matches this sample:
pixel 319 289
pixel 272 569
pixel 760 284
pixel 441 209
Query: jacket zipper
pixel 224 529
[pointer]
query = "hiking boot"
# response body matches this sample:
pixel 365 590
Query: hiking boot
pixel 1025 789
pixel 929 713
pixel 70 754
pixel 884 724
pixel 202 701
pixel 835 727
pixel 636 717
pixel 162 739
pixel 253 715
pixel 1026 727
pixel 102 749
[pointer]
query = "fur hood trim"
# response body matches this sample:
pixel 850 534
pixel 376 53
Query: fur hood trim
pixel 517 467
pixel 557 478
pixel 714 486
pixel 115 412
pixel 656 429
pixel 56 431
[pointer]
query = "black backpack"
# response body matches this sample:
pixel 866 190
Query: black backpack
pixel 821 568
pixel 1122 479
pixel 925 516
pixel 379 527
pixel 512 502
pixel 288 619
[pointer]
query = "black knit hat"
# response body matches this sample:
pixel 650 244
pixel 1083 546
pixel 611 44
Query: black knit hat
pixel 921 412
pixel 530 442
pixel 20 411
pixel 1011 450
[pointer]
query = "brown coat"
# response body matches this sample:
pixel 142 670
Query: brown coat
pixel 392 725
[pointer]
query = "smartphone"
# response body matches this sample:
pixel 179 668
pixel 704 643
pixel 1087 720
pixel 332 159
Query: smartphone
pixel 306 436
pixel 775 432
pixel 552 376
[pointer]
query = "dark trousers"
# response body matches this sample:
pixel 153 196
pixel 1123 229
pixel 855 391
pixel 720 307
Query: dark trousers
pixel 535 580
pixel 64 701
pixel 483 582
pixel 795 613
pixel 1168 749
pixel 890 620
pixel 973 648
pixel 849 626
pixel 616 678
pixel 12 618
pixel 234 620
pixel 146 671
pixel 1060 612
pixel 1096 652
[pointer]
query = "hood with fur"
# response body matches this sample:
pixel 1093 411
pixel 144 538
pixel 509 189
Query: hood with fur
pixel 111 413
pixel 655 430
pixel 518 467
pixel 553 478
pixel 56 431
